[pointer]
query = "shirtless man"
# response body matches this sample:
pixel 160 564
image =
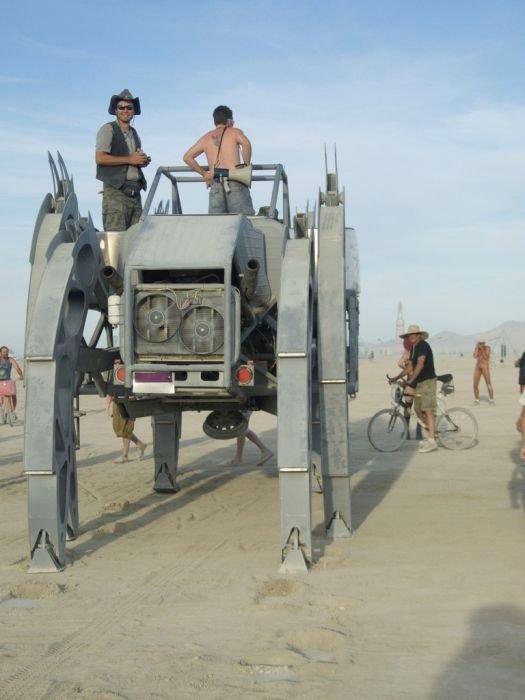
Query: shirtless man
pixel 223 148
pixel 482 369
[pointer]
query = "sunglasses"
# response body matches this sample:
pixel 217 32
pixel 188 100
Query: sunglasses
pixel 125 108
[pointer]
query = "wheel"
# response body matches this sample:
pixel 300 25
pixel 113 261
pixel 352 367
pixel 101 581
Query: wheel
pixel 457 429
pixel 11 416
pixel 387 430
pixel 3 410
pixel 65 271
pixel 332 340
pixel 224 425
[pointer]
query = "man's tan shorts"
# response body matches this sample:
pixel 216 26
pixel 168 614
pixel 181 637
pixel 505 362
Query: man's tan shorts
pixel 426 395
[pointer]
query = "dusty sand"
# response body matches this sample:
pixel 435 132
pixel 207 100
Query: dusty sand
pixel 178 596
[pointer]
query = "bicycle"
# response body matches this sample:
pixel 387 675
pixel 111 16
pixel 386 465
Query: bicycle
pixel 456 428
pixel 7 401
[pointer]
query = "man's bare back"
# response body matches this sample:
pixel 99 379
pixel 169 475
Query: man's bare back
pixel 232 142
pixel 225 147
pixel 234 149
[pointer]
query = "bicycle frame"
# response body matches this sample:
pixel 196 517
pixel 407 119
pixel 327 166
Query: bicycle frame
pixel 397 399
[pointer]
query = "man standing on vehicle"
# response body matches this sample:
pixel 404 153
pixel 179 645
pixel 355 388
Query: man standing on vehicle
pixel 120 160
pixel 223 147
pixel 423 380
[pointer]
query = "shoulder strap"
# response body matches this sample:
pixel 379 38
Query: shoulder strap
pixel 138 144
pixel 219 149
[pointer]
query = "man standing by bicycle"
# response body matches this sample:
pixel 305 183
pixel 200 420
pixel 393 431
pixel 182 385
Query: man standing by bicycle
pixel 423 380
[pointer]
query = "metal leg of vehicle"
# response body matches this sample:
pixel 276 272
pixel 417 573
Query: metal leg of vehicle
pixel 166 438
pixel 65 269
pixel 335 456
pixel 294 436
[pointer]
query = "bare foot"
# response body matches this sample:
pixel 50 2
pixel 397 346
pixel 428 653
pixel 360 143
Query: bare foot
pixel 266 455
pixel 236 462
pixel 141 447
pixel 122 459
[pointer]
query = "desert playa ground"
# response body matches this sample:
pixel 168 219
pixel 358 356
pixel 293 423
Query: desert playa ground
pixel 179 596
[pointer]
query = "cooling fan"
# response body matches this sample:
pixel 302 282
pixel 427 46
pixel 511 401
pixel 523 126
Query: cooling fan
pixel 157 316
pixel 202 330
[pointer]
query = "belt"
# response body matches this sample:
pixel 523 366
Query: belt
pixel 220 173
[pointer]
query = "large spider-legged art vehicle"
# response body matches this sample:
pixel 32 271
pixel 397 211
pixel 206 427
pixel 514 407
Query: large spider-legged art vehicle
pixel 214 313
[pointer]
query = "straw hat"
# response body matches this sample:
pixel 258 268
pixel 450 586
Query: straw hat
pixel 412 330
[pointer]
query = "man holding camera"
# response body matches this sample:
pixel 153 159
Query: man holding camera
pixel 223 148
pixel 120 160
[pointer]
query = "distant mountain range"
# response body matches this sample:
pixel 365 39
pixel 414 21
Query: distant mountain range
pixel 510 335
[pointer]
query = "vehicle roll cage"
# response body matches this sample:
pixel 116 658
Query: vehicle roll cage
pixel 177 174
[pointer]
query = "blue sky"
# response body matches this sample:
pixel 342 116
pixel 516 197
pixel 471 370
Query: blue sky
pixel 425 102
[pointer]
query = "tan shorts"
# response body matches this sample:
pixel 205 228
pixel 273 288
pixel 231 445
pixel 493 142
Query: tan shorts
pixel 122 425
pixel 426 399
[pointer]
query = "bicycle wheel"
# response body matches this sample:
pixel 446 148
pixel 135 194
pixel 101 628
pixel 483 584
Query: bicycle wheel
pixel 457 429
pixel 387 430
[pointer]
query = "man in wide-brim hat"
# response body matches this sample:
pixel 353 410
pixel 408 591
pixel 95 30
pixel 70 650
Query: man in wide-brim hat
pixel 125 95
pixel 423 380
pixel 120 160
pixel 414 330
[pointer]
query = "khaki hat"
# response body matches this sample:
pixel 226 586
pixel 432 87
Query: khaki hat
pixel 412 330
pixel 124 95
